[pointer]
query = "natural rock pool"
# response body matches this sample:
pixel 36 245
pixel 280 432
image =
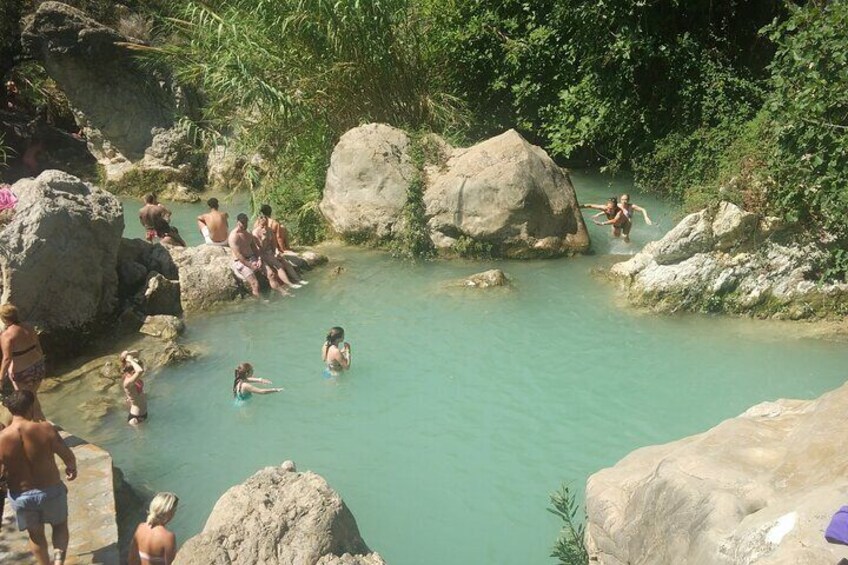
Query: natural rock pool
pixel 464 408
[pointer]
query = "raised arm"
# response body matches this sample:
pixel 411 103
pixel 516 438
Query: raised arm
pixel 593 206
pixel 258 380
pixel 644 213
pixel 247 387
pixel 138 370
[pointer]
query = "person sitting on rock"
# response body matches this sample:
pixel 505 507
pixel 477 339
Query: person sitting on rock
pixel 335 352
pixel 169 235
pixel 131 373
pixel 242 387
pixel 27 459
pixel 281 238
pixel 153 543
pixel 23 360
pixel 615 217
pixel 275 269
pixel 245 252
pixel 152 216
pixel 213 225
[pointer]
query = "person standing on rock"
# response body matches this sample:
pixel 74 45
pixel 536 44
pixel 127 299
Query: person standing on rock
pixel 153 543
pixel 245 251
pixel 214 225
pixel 23 360
pixel 275 268
pixel 131 373
pixel 615 217
pixel 242 387
pixel 36 491
pixel 152 216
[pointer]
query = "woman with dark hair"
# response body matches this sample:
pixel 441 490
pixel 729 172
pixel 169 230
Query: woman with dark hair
pixel 242 387
pixel 336 351
pixel 23 359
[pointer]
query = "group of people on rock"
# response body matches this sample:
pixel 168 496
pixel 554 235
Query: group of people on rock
pixel 619 215
pixel 262 250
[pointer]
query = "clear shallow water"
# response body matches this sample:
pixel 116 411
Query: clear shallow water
pixel 464 409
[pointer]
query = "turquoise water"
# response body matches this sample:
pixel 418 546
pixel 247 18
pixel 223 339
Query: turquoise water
pixel 464 409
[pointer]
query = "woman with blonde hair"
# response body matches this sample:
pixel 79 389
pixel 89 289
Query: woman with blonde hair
pixel 23 359
pixel 153 544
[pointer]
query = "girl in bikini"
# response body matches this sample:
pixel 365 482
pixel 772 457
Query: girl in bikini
pixel 242 387
pixel 153 543
pixel 23 359
pixel 335 352
pixel 131 373
pixel 629 209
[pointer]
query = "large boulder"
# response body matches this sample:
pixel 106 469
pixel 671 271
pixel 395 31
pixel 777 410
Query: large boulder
pixel 59 253
pixel 366 189
pixel 282 517
pixel 206 278
pixel 507 193
pixel 729 260
pixel 759 488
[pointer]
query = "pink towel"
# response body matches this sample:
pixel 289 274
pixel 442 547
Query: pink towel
pixel 7 197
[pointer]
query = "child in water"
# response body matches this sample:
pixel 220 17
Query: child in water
pixel 336 352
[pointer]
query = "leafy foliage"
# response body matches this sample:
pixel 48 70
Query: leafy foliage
pixel 569 548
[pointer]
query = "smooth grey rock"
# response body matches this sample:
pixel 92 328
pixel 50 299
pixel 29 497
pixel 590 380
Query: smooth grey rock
pixel 279 516
pixel 692 235
pixel 756 489
pixel 366 188
pixel 58 255
pixel 506 192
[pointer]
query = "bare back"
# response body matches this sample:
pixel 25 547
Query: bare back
pixel 156 542
pixel 153 215
pixel 27 454
pixel 217 224
pixel 281 235
pixel 20 343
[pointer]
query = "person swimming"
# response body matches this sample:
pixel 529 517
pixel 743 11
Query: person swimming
pixel 336 352
pixel 242 387
pixel 616 217
pixel 629 210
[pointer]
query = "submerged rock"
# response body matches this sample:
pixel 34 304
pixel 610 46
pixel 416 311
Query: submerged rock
pixel 759 488
pixel 729 260
pixel 58 256
pixel 282 517
pixel 503 195
pixel 487 279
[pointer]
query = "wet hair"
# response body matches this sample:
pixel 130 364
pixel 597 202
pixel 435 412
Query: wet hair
pixel 265 210
pixel 161 509
pixel 19 402
pixel 212 203
pixel 242 371
pixel 242 219
pixel 9 314
pixel 149 198
pixel 627 194
pixel 613 199
pixel 335 335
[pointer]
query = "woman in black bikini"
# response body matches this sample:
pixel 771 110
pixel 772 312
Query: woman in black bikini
pixel 23 359
pixel 131 373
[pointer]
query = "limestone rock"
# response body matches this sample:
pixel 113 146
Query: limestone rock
pixel 224 169
pixel 759 488
pixel 692 235
pixel 366 188
pixel 162 296
pixel 176 192
pixel 206 279
pixel 100 78
pixel 733 226
pixel 487 279
pixel 59 253
pixel 508 193
pixel 282 517
pixel 166 328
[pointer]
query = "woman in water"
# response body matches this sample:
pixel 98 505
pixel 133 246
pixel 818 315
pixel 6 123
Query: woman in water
pixel 242 387
pixel 336 352
pixel 23 359
pixel 131 373
pixel 153 544
pixel 616 217
pixel 629 210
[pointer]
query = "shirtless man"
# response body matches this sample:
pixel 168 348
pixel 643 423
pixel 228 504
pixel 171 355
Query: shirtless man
pixel 615 217
pixel 245 254
pixel 213 225
pixel 36 491
pixel 281 240
pixel 274 269
pixel 152 216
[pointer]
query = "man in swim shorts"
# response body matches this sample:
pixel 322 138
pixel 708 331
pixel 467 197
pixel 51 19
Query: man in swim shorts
pixel 36 491
pixel 213 225
pixel 245 254
pixel 152 216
